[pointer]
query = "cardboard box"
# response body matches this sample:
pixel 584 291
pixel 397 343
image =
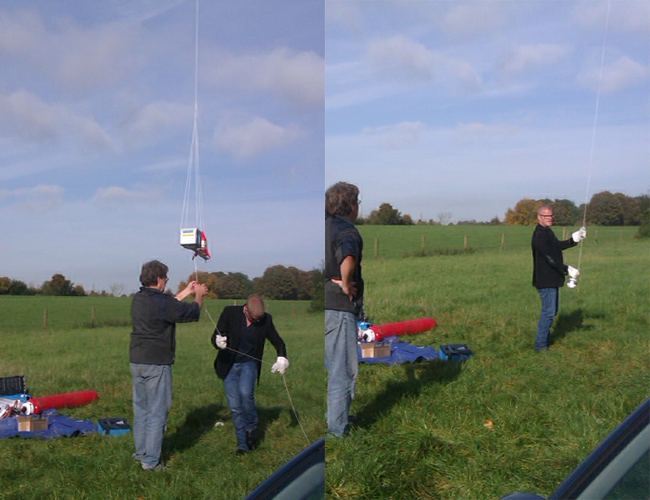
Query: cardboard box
pixel 31 423
pixel 374 349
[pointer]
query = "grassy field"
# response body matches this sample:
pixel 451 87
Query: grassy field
pixel 508 419
pixel 72 355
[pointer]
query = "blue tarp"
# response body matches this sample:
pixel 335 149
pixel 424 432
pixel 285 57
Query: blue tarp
pixel 403 352
pixel 59 425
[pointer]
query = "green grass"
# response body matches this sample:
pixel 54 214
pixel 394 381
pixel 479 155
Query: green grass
pixel 422 427
pixel 66 357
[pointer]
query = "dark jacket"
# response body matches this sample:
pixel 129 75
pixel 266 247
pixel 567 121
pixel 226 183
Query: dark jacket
pixel 341 240
pixel 548 265
pixel 230 325
pixel 154 315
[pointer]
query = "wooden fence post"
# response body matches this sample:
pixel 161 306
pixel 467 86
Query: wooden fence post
pixel 423 242
pixel 92 315
pixel 503 241
pixel 45 318
pixel 465 243
pixel 376 247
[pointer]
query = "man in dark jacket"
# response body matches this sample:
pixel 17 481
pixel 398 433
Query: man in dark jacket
pixel 154 315
pixel 549 270
pixel 240 336
pixel 343 302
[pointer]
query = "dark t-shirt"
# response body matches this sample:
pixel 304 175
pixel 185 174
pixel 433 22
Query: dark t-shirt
pixel 154 315
pixel 341 240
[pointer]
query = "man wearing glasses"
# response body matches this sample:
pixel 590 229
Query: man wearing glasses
pixel 549 270
pixel 240 336
pixel 154 315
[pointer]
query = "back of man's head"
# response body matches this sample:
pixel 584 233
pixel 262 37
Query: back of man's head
pixel 151 271
pixel 341 198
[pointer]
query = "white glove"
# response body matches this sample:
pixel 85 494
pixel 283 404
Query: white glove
pixel 573 272
pixel 579 235
pixel 280 365
pixel 221 341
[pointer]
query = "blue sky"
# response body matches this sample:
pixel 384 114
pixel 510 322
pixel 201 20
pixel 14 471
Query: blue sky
pixel 96 117
pixel 464 108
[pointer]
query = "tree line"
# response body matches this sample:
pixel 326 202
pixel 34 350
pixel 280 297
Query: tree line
pixel 277 283
pixel 604 209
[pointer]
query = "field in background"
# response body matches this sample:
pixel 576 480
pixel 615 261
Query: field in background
pixel 508 419
pixel 71 355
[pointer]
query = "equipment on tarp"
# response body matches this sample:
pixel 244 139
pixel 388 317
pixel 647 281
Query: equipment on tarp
pixel 194 239
pixel 66 400
pixel 374 333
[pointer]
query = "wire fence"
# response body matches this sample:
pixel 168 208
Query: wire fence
pixel 410 241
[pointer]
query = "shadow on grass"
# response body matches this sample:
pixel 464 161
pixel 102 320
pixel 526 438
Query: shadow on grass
pixel 417 376
pixel 198 422
pixel 567 323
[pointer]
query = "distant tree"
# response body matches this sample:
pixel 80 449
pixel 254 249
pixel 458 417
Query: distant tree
pixel 304 283
pixel 565 212
pixel 524 213
pixel 444 218
pixel 495 221
pixel 5 285
pixel 386 215
pixel 19 288
pixel 644 228
pixel 79 291
pixel 605 209
pixel 632 211
pixel 277 282
pixel 116 289
pixel 318 290
pixel 234 286
pixel 407 220
pixel 58 285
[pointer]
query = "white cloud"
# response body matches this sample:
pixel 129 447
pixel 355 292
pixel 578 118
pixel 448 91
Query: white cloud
pixel 626 17
pixel 617 76
pixel 42 197
pixel 346 14
pixel 74 58
pixel 401 58
pixel 28 117
pixel 156 118
pixel 118 195
pixel 296 76
pixel 474 18
pixel 399 136
pixel 533 57
pixel 253 138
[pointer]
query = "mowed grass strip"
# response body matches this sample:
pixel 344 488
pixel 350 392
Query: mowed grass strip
pixel 200 456
pixel 508 419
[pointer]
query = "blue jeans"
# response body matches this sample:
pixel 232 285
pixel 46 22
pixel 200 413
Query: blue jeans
pixel 343 367
pixel 550 302
pixel 240 392
pixel 152 400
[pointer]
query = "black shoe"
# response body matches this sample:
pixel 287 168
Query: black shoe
pixel 252 440
pixel 241 452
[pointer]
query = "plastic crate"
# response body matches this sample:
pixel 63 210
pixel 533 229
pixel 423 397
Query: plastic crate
pixel 12 385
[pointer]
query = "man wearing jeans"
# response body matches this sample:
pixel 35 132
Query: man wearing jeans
pixel 154 315
pixel 240 336
pixel 343 302
pixel 549 270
